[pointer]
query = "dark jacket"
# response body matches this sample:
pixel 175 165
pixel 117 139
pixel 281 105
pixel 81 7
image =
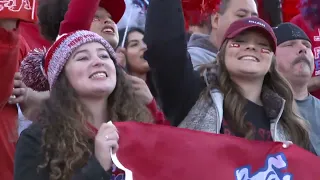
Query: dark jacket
pixel 178 84
pixel 28 156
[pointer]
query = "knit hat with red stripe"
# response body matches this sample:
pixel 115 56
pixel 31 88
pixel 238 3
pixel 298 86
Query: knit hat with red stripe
pixel 40 69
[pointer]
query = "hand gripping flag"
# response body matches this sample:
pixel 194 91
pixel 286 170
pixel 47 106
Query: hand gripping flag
pixel 19 9
pixel 158 152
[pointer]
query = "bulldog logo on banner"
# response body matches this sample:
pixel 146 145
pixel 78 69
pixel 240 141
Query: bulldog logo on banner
pixel 18 9
pixel 273 170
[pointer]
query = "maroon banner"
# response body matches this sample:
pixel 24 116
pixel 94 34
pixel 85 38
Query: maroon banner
pixel 162 152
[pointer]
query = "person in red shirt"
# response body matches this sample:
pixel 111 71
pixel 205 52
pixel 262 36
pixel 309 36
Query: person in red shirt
pixel 9 51
pixel 31 33
pixel 314 36
pixel 12 50
pixel 290 9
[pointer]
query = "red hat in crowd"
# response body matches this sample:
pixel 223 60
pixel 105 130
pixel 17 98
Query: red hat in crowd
pixel 25 10
pixel 251 23
pixel 40 69
pixel 116 8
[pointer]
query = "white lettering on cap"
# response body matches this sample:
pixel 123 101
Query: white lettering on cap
pixel 257 22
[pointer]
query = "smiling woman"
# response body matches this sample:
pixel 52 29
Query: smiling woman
pixel 71 135
pixel 248 54
pixel 245 95
pixel 91 71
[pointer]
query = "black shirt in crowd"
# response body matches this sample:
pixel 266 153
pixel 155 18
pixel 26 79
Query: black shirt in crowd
pixel 256 117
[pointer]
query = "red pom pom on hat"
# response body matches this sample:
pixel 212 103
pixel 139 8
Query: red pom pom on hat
pixel 32 72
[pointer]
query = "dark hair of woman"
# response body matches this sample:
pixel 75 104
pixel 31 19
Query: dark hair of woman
pixel 50 14
pixel 130 30
pixel 234 102
pixel 67 139
pixel 149 80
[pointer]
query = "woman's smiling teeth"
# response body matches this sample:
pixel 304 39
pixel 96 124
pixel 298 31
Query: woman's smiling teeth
pixel 98 75
pixel 249 58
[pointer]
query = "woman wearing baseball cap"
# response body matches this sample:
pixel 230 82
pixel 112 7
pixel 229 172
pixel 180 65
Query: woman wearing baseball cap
pixel 242 94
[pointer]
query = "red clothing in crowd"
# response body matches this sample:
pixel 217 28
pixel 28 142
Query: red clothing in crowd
pixel 314 36
pixel 12 51
pixel 158 116
pixel 290 9
pixel 31 33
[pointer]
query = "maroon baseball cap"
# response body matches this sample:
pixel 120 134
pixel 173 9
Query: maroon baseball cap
pixel 116 8
pixel 251 23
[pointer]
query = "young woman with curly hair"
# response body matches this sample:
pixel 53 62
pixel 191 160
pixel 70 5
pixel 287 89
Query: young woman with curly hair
pixel 94 15
pixel 71 138
pixel 100 17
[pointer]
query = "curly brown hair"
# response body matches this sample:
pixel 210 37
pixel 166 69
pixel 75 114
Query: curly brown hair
pixel 234 102
pixel 50 14
pixel 67 140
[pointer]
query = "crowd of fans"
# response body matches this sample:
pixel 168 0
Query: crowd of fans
pixel 68 78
